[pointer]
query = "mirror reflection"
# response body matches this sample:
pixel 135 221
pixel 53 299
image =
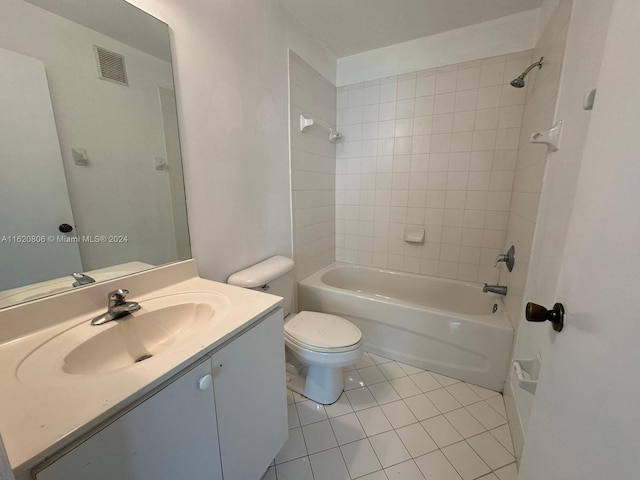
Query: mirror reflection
pixel 91 177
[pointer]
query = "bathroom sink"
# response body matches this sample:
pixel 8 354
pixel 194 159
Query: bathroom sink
pixel 161 324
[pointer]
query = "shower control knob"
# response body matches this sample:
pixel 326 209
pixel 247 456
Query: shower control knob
pixel 65 228
pixel 538 313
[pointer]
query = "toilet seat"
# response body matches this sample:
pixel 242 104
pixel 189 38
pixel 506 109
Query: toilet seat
pixel 322 332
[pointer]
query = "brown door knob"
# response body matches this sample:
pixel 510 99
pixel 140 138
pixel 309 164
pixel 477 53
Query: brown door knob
pixel 538 313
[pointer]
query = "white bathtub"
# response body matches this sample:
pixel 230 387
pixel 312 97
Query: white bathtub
pixel 445 326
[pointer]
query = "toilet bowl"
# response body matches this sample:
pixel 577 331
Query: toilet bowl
pixel 322 344
pixel 318 345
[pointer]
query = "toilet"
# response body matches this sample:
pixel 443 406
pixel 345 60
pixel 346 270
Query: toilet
pixel 317 344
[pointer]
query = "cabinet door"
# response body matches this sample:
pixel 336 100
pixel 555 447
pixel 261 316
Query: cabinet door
pixel 251 404
pixel 171 435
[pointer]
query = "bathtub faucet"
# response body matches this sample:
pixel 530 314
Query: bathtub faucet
pixel 499 289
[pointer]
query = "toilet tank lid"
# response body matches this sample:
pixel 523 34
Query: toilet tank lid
pixel 262 273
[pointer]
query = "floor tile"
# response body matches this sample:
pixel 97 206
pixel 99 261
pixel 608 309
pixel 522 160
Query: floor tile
pixel 378 359
pixel 444 380
pixel 404 471
pixel 392 370
pixel 310 412
pixel 329 465
pixel 361 398
pixel 294 447
pixel 347 428
pixel 379 475
pixel 404 424
pixel 398 414
pixel 410 369
pixel 292 414
pixel 503 435
pixel 464 422
pixel 371 375
pixel 421 407
pixel 510 472
pixel 374 421
pixel 416 440
pixel 425 381
pixel 352 379
pixel 298 398
pixel 384 392
pixel 491 451
pixel 441 431
pixel 484 393
pixel 405 387
pixel 435 466
pixel 299 469
pixel 365 361
pixel 443 400
pixel 486 415
pixel 360 458
pixel 339 407
pixel 463 394
pixel 466 462
pixel 319 436
pixel 389 449
pixel 497 403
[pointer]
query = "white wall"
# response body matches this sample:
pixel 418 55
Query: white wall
pixel 546 207
pixel 231 69
pixel 433 149
pixel 313 168
pixel 513 33
pixel 120 192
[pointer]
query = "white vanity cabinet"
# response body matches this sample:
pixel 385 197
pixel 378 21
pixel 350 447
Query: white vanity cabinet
pixel 224 419
pixel 250 391
pixel 171 435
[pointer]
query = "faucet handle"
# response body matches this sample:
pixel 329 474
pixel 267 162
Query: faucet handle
pixel 117 296
pixel 503 257
pixel 509 258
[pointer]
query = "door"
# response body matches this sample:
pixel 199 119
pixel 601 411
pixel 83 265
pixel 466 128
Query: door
pixel 170 436
pixel 34 200
pixel 585 420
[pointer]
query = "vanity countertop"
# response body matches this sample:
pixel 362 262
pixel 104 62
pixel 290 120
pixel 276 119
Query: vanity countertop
pixel 38 418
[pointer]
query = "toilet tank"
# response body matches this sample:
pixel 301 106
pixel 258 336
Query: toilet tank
pixel 274 275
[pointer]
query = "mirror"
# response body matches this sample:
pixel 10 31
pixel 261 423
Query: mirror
pixel 90 158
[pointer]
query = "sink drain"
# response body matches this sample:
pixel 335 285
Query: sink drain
pixel 142 358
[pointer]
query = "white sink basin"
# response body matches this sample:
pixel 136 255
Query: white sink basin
pixel 161 324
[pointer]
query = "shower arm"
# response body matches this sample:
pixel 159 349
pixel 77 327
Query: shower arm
pixel 531 67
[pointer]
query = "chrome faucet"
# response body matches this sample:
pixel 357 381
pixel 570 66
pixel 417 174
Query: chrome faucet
pixel 117 307
pixel 499 289
pixel 82 279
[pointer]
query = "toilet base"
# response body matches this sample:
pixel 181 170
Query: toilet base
pixel 320 384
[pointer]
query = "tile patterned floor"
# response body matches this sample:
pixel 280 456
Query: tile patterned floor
pixel 397 422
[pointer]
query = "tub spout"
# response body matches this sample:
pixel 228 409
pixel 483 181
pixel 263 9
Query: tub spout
pixel 499 289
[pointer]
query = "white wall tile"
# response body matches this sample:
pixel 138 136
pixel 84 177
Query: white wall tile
pixel 434 148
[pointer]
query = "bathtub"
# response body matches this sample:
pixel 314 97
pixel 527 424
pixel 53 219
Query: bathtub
pixel 445 326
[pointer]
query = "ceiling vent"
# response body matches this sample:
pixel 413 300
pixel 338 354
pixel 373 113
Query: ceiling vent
pixel 111 66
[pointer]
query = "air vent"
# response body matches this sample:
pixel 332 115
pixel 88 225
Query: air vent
pixel 111 66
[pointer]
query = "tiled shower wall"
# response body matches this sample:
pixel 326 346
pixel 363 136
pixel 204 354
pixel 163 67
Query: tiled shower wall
pixel 539 111
pixel 434 149
pixel 313 168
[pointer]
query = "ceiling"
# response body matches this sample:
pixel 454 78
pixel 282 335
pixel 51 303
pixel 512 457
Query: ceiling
pixel 347 27
pixel 116 19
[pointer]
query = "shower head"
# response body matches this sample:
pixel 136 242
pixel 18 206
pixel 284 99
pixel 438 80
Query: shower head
pixel 519 82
